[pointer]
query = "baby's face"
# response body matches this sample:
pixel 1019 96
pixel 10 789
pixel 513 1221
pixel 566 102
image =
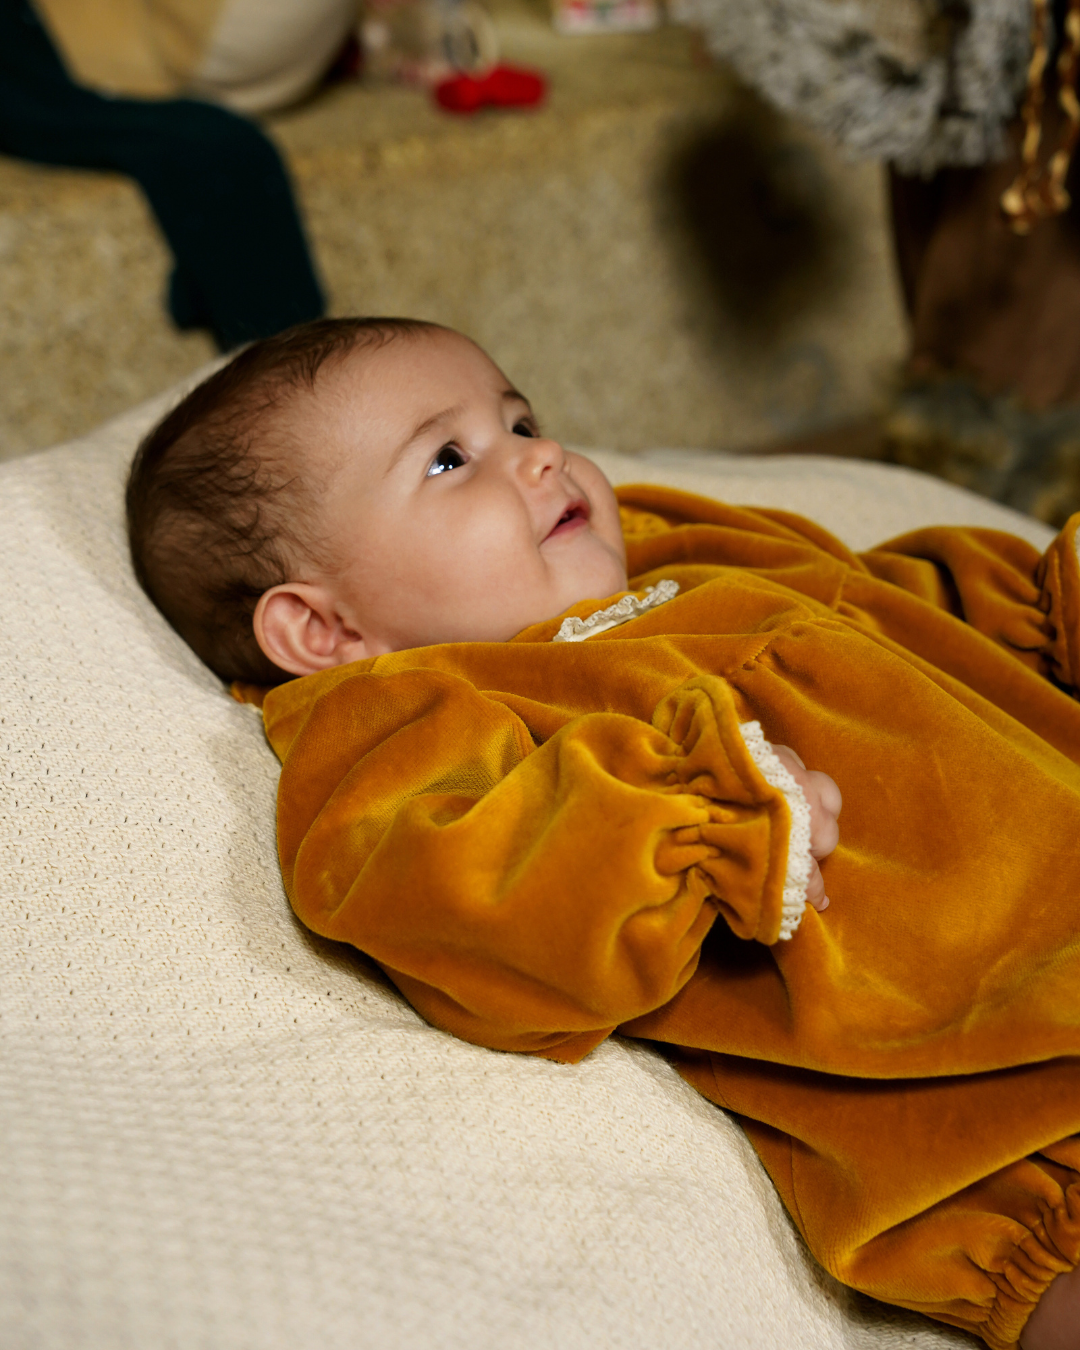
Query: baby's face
pixel 447 515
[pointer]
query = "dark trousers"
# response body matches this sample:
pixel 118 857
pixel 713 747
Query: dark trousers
pixel 213 180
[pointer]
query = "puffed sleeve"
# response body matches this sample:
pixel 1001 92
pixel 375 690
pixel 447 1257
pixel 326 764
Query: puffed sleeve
pixel 524 897
pixel 995 582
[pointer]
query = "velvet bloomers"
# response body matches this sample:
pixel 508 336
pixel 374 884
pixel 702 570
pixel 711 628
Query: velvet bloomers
pixel 542 842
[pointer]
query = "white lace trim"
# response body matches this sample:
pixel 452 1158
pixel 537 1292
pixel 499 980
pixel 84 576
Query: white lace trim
pixel 629 607
pixel 799 859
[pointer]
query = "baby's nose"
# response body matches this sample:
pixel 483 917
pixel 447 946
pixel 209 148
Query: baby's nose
pixel 540 455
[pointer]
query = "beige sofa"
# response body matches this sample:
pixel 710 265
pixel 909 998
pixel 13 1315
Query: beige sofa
pixel 221 1132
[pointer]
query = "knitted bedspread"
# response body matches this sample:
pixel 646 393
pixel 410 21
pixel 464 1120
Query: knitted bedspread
pixel 220 1131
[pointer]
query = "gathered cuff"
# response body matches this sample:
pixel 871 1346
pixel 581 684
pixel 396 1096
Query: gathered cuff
pixel 755 860
pixel 799 858
pixel 1037 1260
pixel 983 1258
pixel 1058 579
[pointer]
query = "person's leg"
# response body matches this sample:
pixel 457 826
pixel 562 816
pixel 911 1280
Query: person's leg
pixel 220 191
pixel 214 181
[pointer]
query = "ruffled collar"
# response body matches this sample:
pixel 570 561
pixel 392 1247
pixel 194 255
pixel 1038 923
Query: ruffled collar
pixel 622 611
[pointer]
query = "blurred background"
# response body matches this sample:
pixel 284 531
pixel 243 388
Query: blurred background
pixel 692 233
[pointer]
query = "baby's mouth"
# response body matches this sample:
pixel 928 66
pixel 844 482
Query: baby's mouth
pixel 575 515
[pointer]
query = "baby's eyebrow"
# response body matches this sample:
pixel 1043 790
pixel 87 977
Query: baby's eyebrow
pixel 421 430
pixel 508 396
pixel 429 422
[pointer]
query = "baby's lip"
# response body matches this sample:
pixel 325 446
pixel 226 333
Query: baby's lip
pixel 574 514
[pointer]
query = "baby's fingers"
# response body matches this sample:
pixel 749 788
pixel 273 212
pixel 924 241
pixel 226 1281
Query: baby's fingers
pixel 829 794
pixel 815 890
pixel 825 801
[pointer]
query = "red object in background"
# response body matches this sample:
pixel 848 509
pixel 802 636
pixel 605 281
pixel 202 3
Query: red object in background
pixel 501 87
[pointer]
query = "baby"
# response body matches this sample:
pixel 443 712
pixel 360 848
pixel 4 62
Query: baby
pixel 530 795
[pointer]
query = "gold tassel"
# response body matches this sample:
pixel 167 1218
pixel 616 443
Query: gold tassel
pixel 1037 192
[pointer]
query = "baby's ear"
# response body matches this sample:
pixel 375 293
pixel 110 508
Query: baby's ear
pixel 298 627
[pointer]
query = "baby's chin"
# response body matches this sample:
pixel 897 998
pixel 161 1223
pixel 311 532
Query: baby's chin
pixel 474 619
pixel 604 582
pixel 508 625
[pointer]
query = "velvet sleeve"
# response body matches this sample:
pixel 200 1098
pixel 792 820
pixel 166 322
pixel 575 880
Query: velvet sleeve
pixel 530 897
pixel 995 582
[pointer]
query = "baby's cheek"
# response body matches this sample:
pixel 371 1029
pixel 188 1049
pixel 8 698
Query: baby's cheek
pixel 601 495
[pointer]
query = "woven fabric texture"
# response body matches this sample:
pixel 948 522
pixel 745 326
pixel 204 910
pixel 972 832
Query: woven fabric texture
pixel 220 1132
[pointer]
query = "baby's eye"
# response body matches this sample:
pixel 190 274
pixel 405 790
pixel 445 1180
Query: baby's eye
pixel 449 457
pixel 524 429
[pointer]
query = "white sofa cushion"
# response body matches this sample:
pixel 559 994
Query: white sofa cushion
pixel 221 1131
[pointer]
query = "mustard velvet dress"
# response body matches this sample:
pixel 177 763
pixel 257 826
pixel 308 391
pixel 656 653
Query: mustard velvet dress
pixel 544 842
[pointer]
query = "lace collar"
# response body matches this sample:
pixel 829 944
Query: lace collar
pixel 629 607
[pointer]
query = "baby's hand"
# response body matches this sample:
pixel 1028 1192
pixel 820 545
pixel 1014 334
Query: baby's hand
pixel 824 799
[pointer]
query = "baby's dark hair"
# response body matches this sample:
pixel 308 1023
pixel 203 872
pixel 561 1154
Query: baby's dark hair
pixel 216 505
